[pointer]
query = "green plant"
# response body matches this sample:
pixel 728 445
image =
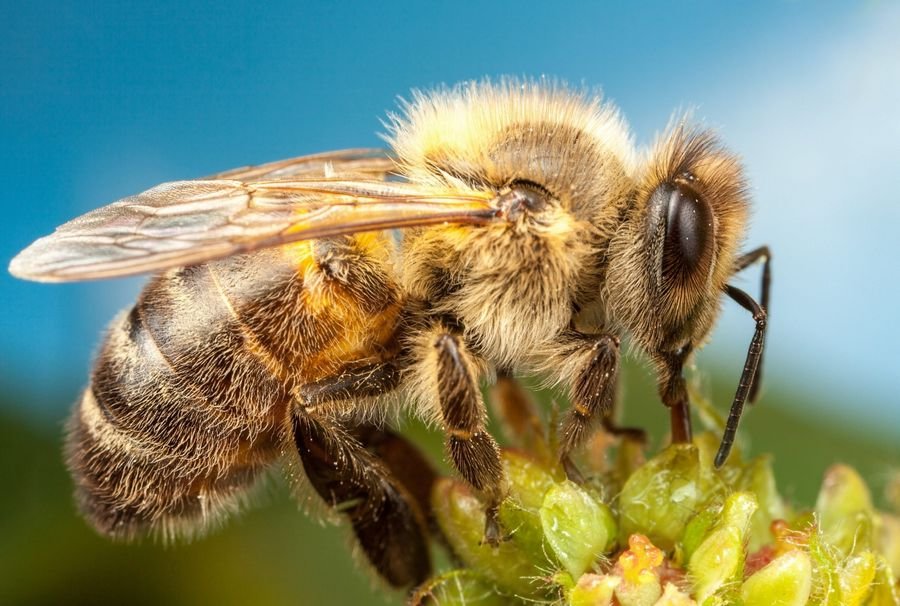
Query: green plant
pixel 671 530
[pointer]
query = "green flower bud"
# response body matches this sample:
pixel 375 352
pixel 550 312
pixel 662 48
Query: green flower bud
pixel 719 560
pixel 593 590
pixel 647 593
pixel 563 580
pixel 461 516
pixel 529 483
pixel 557 533
pixel 855 578
pixel 885 590
pixel 660 497
pixel 529 480
pixel 707 444
pixel 695 533
pixel 844 510
pixel 757 478
pixel 458 588
pixel 785 581
pixel 578 528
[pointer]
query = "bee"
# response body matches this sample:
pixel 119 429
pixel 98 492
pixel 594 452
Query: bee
pixel 512 228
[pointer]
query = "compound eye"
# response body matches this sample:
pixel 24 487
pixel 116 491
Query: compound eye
pixel 690 236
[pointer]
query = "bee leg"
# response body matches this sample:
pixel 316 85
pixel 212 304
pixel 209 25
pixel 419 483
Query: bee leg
pixel 632 433
pixel 407 464
pixel 673 392
pixel 592 395
pixel 385 518
pixel 404 461
pixel 368 380
pixel 472 449
pixel 612 427
pixel 516 409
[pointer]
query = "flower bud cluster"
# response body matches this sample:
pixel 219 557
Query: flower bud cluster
pixel 671 531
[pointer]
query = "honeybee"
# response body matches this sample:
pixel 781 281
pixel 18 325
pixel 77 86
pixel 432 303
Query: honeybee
pixel 286 312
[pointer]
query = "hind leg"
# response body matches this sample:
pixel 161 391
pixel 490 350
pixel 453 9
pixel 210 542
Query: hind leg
pixel 404 461
pixel 450 371
pixel 385 517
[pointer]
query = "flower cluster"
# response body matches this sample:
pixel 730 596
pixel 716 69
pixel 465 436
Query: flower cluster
pixel 673 530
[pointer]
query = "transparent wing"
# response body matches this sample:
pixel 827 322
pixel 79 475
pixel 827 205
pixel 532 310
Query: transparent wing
pixel 187 222
pixel 363 162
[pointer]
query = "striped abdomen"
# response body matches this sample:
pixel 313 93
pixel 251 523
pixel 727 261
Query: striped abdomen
pixel 189 394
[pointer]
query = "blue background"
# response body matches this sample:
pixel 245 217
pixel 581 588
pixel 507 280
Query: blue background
pixel 102 100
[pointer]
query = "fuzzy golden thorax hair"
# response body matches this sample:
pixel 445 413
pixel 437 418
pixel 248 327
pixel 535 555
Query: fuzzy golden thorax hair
pixel 514 284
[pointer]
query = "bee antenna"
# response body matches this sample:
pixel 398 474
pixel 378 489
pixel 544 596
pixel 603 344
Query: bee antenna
pixel 751 366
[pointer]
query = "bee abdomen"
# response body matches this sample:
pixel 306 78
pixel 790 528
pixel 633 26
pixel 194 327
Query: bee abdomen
pixel 180 418
pixel 191 387
pixel 126 489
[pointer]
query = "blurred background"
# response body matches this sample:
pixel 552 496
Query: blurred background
pixel 99 101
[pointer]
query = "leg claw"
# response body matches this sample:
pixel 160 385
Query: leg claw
pixel 571 470
pixel 492 531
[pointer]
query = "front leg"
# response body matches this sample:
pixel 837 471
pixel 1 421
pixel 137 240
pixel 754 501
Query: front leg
pixel 472 449
pixel 673 391
pixel 593 389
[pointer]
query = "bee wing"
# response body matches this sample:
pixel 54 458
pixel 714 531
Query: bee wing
pixel 363 162
pixel 188 222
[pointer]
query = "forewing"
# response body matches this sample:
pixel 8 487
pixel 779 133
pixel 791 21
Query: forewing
pixel 188 222
pixel 363 162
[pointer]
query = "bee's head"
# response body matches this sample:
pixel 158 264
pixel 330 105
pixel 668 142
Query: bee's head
pixel 676 247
